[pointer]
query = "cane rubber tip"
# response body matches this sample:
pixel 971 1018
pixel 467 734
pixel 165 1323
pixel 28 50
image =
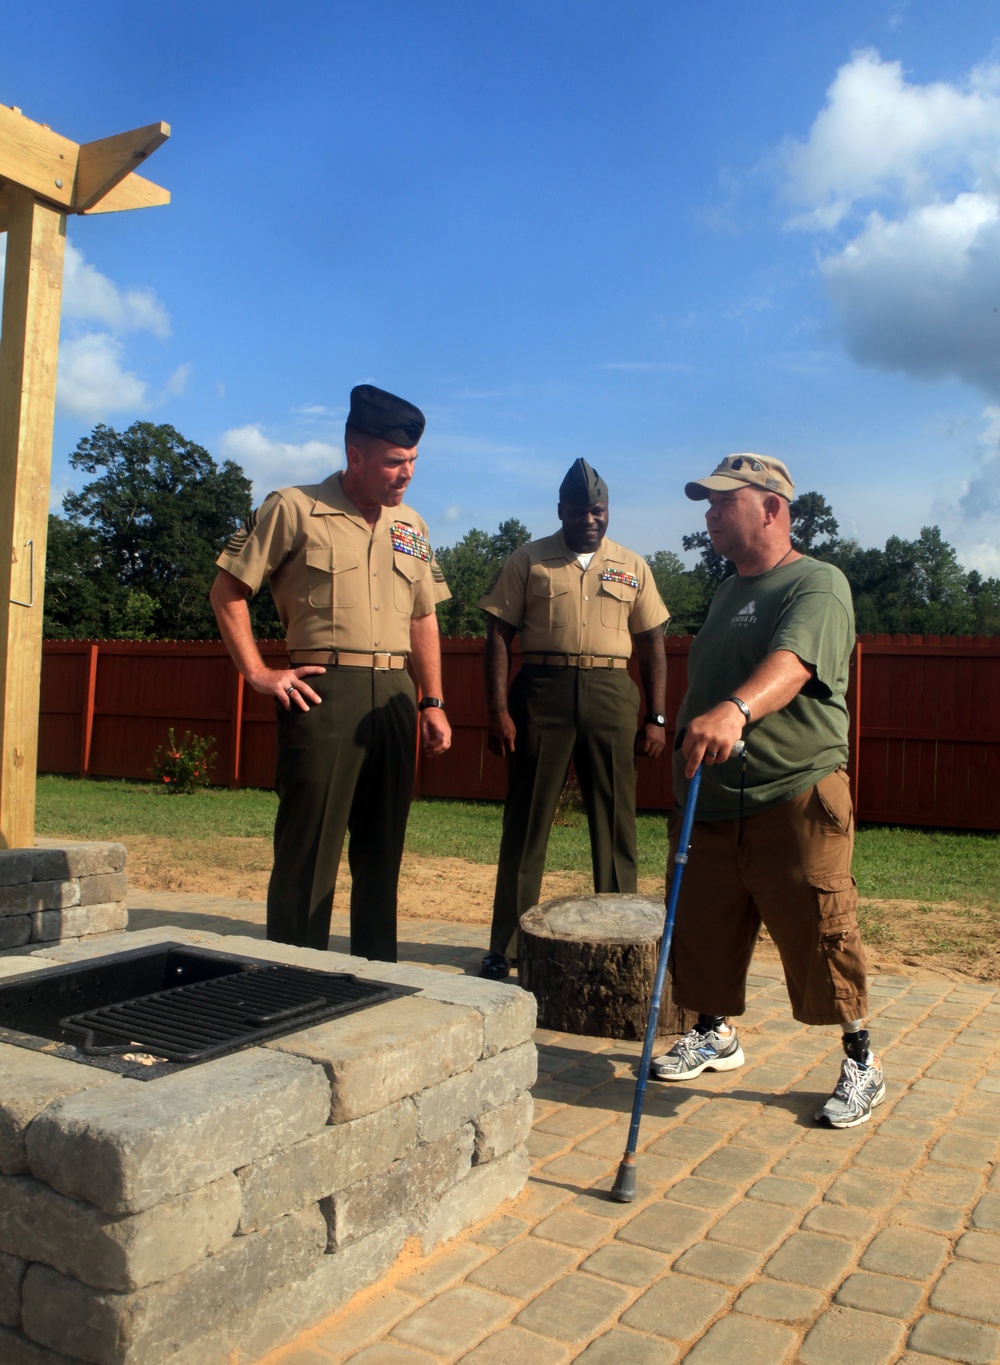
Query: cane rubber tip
pixel 624 1187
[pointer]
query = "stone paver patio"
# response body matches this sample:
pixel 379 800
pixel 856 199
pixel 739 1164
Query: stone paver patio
pixel 755 1236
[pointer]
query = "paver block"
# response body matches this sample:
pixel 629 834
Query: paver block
pixel 933 1217
pixel 148 1324
pixel 716 1261
pixel 701 1194
pixel 665 1227
pixel 733 1165
pixel 986 1214
pixel 454 1322
pixel 15 931
pixel 843 1336
pixel 514 1343
pixel 498 1130
pixel 907 1252
pixel 743 1339
pixel 78 860
pixel 955 1340
pixel 441 1272
pixel 624 1264
pixel 791 1303
pixel 12 1270
pixel 523 1269
pixel 687 1144
pixel 50 925
pixel 572 1228
pixel 371 1320
pixel 970 1290
pixel 754 1227
pixel 574 1308
pixel 31 897
pixel 119 1253
pixel 880 1294
pixel 103 887
pixel 678 1307
pixel 794 1194
pixel 979 1246
pixel 889 1153
pixel 864 1189
pixel 960 1149
pixel 339 1155
pixel 408 1185
pixel 29 1081
pixel 493 1082
pixel 620 1347
pixel 812 1259
pixel 937 1184
pixel 375 1057
pixel 130 1145
pixel 482 1191
pixel 508 1012
pixel 16 866
pixel 279 1314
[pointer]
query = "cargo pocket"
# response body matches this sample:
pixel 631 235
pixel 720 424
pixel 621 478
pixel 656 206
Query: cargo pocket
pixel 550 595
pixel 834 795
pixel 404 576
pixel 843 959
pixel 616 604
pixel 319 577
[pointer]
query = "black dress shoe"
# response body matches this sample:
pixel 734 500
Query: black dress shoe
pixel 495 967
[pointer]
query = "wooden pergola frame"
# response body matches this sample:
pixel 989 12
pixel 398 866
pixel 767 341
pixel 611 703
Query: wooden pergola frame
pixel 43 177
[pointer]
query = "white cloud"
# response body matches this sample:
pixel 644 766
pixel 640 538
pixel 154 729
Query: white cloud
pixel 92 381
pixel 907 178
pixel 177 382
pixel 274 464
pixel 90 296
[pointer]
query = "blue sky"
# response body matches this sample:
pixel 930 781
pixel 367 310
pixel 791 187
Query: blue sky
pixel 646 232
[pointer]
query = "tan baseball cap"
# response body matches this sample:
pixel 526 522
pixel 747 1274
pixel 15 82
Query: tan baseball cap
pixel 760 471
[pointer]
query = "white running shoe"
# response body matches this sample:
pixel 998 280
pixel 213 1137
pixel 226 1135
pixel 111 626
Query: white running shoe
pixel 697 1052
pixel 858 1091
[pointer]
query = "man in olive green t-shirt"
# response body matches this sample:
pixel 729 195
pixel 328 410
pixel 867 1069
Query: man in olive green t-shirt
pixel 774 833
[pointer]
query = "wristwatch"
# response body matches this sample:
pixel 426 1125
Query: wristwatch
pixel 426 702
pixel 654 718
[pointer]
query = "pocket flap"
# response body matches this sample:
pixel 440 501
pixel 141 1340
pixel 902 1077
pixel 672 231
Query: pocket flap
pixel 320 557
pixel 542 584
pixel 831 882
pixel 624 592
pixel 406 565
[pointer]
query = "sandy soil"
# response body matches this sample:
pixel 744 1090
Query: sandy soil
pixel 901 934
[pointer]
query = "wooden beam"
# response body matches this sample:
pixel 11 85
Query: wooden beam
pixel 36 158
pixel 4 207
pixel 131 193
pixel 94 178
pixel 29 346
pixel 105 164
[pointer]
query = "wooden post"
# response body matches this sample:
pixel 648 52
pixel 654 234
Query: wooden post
pixel 29 347
pixel 43 176
pixel 90 697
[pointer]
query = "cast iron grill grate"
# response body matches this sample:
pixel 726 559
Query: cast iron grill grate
pixel 204 1019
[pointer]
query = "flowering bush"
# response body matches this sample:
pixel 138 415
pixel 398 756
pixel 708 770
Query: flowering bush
pixel 185 765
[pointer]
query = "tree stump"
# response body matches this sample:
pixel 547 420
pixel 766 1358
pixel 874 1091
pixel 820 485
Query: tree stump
pixel 590 962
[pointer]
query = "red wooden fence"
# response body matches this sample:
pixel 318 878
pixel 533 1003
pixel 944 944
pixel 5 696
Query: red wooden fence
pixel 925 721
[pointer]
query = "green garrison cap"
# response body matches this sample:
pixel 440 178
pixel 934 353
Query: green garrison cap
pixel 582 486
pixel 382 414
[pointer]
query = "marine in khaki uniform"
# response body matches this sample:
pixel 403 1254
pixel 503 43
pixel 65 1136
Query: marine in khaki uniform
pixel 355 582
pixel 579 602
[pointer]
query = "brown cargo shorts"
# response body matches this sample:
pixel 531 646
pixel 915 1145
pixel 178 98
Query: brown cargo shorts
pixel 790 871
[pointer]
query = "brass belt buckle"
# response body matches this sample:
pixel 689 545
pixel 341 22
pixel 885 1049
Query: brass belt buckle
pixel 382 667
pixel 611 663
pixel 585 661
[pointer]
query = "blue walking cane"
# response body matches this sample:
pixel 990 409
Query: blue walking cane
pixel 624 1186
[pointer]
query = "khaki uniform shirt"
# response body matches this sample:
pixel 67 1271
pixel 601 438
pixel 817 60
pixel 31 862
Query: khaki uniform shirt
pixel 562 608
pixel 337 582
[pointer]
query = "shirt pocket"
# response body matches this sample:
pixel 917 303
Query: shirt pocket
pixel 404 582
pixel 319 577
pixel 548 597
pixel 616 603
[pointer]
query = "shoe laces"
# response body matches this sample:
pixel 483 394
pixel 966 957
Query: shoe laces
pixel 851 1078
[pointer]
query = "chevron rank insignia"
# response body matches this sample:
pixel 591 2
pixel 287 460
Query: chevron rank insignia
pixel 407 541
pixel 620 576
pixel 239 538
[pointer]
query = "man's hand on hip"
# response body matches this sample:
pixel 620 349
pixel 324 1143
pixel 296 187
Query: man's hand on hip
pixel 287 685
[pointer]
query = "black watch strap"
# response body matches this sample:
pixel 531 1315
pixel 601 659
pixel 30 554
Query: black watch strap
pixel 426 702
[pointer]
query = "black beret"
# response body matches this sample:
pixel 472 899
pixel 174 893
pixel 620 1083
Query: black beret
pixel 582 486
pixel 382 414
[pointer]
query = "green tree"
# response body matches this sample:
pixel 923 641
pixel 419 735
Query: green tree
pixel 812 517
pixel 470 569
pixel 684 591
pixel 146 531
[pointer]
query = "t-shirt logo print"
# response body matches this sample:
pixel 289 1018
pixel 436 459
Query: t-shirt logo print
pixel 746 615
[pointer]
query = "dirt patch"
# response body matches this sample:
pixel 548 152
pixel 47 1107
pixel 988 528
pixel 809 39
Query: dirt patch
pixel 956 939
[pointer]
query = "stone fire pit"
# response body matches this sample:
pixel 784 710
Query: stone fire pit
pixel 230 1205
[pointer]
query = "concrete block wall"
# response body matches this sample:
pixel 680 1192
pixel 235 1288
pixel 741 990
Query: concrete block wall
pixel 217 1212
pixel 55 892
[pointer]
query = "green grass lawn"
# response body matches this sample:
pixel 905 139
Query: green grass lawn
pixel 925 865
